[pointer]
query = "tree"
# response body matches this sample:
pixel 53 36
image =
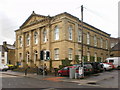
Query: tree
pixel 77 59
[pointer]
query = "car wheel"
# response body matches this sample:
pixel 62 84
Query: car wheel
pixel 118 67
pixel 59 74
pixel 105 69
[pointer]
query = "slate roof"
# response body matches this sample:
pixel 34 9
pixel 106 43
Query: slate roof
pixel 116 47
pixel 2 48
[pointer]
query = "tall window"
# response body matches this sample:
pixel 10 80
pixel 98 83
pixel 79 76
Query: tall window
pixel 28 56
pixel 56 33
pixel 101 42
pixel 88 38
pixel 95 40
pixel 3 54
pixel 88 56
pixel 106 44
pixel 56 51
pixel 79 55
pixel 70 53
pixel 95 55
pixel 79 36
pixel 28 39
pixel 35 37
pixel 20 56
pixel 44 36
pixel 70 32
pixel 20 41
pixel 35 56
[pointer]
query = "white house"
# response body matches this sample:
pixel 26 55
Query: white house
pixel 3 56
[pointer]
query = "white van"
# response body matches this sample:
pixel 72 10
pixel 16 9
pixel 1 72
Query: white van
pixel 115 61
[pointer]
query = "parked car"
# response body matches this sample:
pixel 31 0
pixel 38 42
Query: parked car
pixel 10 66
pixel 113 67
pixel 88 69
pixel 97 67
pixel 106 66
pixel 65 71
pixel 115 61
pixel 3 67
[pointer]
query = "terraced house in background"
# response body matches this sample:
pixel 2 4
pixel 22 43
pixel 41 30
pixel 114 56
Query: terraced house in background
pixel 54 38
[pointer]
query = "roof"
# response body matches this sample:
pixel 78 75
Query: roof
pixel 116 47
pixel 10 46
pixel 2 49
pixel 65 13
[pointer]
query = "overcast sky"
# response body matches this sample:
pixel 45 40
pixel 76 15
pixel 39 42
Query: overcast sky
pixel 103 14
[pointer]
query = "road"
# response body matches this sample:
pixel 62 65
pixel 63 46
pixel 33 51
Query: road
pixel 10 81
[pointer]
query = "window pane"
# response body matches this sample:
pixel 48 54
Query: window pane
pixel 56 51
pixel 56 33
pixel 70 32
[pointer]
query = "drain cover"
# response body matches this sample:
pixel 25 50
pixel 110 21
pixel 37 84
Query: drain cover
pixel 93 83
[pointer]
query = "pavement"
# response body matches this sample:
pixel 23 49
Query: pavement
pixel 93 79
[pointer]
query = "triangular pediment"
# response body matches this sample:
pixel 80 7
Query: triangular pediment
pixel 33 18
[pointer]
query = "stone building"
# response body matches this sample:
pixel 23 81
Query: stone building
pixel 58 37
pixel 7 54
pixel 115 50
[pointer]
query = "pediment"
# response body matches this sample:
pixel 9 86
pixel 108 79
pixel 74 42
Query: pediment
pixel 33 18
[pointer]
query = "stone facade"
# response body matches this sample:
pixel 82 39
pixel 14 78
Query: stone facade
pixel 61 36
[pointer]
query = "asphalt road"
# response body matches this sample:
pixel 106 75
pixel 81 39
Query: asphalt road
pixel 10 81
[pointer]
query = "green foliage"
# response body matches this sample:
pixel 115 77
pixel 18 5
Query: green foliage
pixel 50 65
pixel 23 60
pixel 65 62
pixel 92 58
pixel 77 59
pixel 99 59
pixel 85 58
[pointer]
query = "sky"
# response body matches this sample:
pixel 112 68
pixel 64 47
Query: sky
pixel 102 14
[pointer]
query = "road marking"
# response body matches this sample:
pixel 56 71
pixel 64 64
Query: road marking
pixel 1 75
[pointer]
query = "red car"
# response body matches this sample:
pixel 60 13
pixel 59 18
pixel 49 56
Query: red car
pixel 113 67
pixel 65 71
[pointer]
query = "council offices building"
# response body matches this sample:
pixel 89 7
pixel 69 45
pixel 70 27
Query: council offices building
pixel 56 38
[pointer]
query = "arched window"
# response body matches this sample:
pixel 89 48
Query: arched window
pixel 95 41
pixel 56 33
pixel 28 39
pixel 70 50
pixel 88 38
pixel 27 57
pixel 20 41
pixel 79 55
pixel 79 36
pixel 70 32
pixel 88 56
pixel 95 57
pixel 35 37
pixel 44 35
pixel 106 43
pixel 35 56
pixel 101 42
pixel 20 57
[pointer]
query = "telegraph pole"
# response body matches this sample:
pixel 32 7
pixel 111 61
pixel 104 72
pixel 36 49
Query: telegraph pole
pixel 82 58
pixel 82 35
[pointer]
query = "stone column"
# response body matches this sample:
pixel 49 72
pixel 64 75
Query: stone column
pixel 31 48
pixel 39 46
pixel 65 37
pixel 23 50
